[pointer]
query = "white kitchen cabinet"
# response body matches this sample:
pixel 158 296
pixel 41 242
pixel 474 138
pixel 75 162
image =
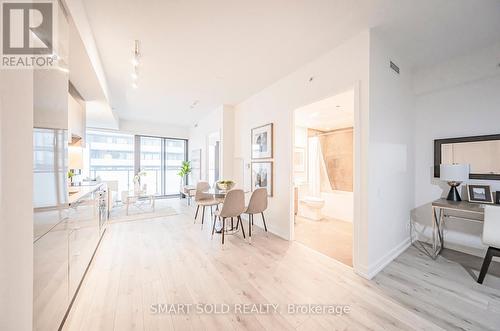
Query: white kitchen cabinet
pixel 50 86
pixel 76 119
pixel 84 237
pixel 50 281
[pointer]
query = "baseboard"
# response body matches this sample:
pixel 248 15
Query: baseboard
pixel 371 271
pixel 270 228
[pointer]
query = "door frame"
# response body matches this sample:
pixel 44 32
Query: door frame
pixel 357 136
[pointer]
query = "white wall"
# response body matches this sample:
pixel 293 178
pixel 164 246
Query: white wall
pixel 334 72
pixel 207 124
pixel 227 141
pixel 454 99
pixel 16 208
pixel 154 129
pixel 391 156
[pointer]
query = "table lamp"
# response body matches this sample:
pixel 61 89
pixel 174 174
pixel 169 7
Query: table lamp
pixel 454 175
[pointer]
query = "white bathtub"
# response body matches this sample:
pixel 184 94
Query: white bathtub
pixel 338 205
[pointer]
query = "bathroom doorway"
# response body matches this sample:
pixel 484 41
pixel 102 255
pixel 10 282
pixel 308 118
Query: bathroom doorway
pixel 323 175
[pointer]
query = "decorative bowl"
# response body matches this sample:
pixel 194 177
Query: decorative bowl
pixel 225 185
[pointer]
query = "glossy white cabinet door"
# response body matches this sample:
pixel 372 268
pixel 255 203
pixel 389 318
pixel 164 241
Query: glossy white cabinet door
pixel 50 285
pixel 83 238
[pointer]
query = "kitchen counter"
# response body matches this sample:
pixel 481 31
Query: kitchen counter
pixel 78 192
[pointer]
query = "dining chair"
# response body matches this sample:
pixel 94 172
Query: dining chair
pixel 491 238
pixel 256 205
pixel 233 207
pixel 203 199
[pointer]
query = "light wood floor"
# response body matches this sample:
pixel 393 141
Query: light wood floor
pixel 328 236
pixel 171 260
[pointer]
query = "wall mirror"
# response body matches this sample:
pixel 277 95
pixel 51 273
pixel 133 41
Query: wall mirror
pixel 481 152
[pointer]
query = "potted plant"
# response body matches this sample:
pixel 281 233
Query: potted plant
pixel 71 174
pixel 184 171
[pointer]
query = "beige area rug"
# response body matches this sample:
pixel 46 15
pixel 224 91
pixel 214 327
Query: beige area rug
pixel 119 213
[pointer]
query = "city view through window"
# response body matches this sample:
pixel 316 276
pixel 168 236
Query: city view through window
pixel 112 157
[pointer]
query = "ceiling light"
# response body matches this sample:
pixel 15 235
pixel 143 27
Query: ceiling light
pixel 315 114
pixel 135 63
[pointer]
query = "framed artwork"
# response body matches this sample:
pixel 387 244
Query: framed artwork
pixel 299 159
pixel 262 176
pixel 262 142
pixel 196 165
pixel 480 193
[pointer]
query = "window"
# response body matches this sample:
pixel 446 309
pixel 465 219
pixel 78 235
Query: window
pixel 111 157
pixel 160 160
pixel 118 156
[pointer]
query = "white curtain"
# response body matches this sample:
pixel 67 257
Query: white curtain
pixel 316 167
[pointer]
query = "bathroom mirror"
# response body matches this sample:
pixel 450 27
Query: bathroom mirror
pixel 481 152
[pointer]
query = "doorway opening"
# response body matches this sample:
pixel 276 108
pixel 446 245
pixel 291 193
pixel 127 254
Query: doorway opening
pixel 213 157
pixel 324 176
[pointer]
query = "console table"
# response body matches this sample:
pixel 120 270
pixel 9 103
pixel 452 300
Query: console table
pixel 440 213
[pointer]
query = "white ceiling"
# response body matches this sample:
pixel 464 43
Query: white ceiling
pixel 223 51
pixel 333 113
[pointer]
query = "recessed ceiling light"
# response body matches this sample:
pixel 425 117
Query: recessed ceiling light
pixel 315 114
pixel 194 104
pixel 134 85
pixel 134 76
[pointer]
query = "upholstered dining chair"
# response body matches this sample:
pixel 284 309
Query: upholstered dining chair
pixel 257 205
pixel 204 200
pixel 233 206
pixel 491 238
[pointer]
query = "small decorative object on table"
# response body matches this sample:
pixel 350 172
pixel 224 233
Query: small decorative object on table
pixel 455 175
pixel 137 181
pixel 225 185
pixel 480 193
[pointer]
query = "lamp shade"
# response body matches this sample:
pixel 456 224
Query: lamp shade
pixel 455 172
pixel 75 156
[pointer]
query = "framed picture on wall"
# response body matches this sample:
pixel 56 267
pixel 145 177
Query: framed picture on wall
pixel 262 176
pixel 480 193
pixel 196 165
pixel 262 142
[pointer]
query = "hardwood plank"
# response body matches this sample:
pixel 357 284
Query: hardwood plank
pixel 168 260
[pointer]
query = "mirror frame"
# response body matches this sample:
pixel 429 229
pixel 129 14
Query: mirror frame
pixel 438 151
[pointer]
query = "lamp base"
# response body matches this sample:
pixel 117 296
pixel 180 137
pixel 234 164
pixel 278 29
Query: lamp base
pixel 454 195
